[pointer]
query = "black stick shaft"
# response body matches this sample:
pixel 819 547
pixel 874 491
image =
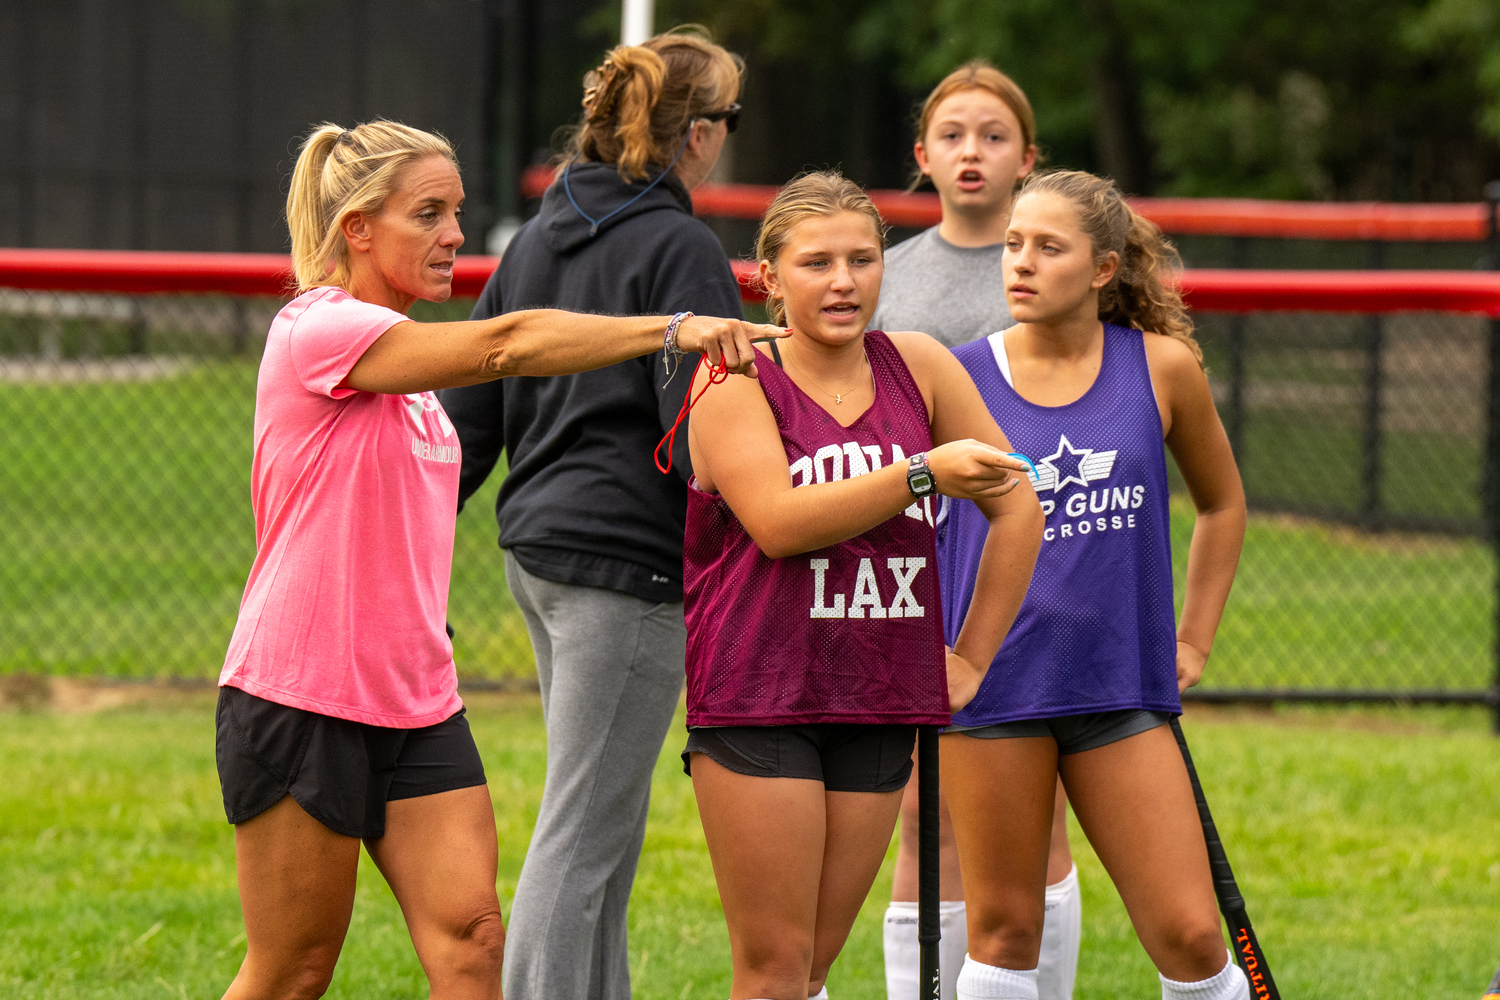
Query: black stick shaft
pixel 1247 950
pixel 929 930
pixel 1494 989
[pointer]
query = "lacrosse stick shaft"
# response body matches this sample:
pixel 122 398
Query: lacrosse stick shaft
pixel 1247 950
pixel 928 889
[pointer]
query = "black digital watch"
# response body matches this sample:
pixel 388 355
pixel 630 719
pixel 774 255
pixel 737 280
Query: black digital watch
pixel 919 478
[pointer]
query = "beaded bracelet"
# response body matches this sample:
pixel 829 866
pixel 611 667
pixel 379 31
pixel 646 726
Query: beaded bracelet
pixel 671 353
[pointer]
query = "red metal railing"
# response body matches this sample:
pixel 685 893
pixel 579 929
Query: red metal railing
pixel 132 272
pixel 143 273
pixel 1310 220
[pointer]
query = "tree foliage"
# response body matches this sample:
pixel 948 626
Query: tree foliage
pixel 1390 99
pixel 1471 27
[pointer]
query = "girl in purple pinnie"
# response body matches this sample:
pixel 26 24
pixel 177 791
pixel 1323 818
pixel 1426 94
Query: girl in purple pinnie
pixel 815 639
pixel 1099 372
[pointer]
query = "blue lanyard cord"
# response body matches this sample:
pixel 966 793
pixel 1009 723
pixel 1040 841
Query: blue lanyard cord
pixel 596 223
pixel 1017 454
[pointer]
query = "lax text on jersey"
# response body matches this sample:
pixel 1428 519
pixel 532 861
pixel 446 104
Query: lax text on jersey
pixel 867 599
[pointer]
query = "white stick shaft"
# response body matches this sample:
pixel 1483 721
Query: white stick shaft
pixel 638 21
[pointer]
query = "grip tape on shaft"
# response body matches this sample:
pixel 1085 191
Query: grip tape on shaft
pixel 929 930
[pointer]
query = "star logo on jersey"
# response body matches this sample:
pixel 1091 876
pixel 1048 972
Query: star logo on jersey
pixel 1072 465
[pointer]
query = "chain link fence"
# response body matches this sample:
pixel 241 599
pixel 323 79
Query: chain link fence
pixel 1367 571
pixel 125 521
pixel 126 530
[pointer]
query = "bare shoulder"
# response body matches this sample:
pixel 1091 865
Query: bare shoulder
pixel 915 339
pixel 1171 360
pixel 919 349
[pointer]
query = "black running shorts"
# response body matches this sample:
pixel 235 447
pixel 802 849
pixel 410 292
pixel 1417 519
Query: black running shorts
pixel 342 772
pixel 845 758
pixel 1074 733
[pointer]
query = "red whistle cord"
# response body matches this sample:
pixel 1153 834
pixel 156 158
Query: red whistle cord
pixel 717 373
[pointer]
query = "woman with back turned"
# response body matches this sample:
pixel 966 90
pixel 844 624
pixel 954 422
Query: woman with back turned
pixel 592 532
pixel 339 718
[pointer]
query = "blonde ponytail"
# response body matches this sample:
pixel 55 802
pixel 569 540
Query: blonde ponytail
pixel 1143 293
pixel 639 103
pixel 340 172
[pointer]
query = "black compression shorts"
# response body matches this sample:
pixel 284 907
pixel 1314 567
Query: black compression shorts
pixel 845 758
pixel 1074 733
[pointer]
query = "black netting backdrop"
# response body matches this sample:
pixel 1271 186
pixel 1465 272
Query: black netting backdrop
pixel 126 528
pixel 168 125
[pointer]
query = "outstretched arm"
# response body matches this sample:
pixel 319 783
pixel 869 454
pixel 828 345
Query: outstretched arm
pixel 416 357
pixel 1201 448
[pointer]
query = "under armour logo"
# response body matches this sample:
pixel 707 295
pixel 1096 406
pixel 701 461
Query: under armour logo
pixel 425 402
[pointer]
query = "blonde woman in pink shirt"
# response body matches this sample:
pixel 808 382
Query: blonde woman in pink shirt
pixel 339 718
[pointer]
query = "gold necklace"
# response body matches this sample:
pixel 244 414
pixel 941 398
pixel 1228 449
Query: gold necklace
pixel 838 397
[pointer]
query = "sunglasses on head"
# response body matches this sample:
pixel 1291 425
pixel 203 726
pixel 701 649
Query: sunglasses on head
pixel 730 116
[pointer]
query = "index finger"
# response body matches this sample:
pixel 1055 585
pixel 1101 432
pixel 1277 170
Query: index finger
pixel 1010 461
pixel 990 455
pixel 1032 468
pixel 765 333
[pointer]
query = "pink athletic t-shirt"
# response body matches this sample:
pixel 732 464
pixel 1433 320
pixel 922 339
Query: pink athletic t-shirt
pixel 355 497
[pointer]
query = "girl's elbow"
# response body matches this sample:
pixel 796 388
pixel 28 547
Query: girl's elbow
pixel 776 549
pixel 1229 509
pixel 1024 516
pixel 1025 526
pixel 771 545
pixel 775 542
pixel 1036 521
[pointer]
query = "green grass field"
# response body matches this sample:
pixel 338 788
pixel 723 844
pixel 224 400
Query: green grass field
pixel 1365 844
pixel 125 519
pixel 1365 841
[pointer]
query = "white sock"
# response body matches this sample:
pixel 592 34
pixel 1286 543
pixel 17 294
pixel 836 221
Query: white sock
pixel 903 952
pixel 821 994
pixel 953 919
pixel 1062 930
pixel 990 982
pixel 1229 984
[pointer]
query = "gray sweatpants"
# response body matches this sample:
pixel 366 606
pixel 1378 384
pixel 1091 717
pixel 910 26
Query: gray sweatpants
pixel 611 670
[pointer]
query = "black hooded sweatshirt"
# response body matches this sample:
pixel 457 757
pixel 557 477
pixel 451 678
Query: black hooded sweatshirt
pixel 583 502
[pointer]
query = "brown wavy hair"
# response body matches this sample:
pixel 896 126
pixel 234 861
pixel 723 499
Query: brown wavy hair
pixel 638 103
pixel 815 194
pixel 1144 293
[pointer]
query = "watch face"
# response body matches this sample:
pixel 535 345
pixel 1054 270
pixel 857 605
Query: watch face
pixel 920 481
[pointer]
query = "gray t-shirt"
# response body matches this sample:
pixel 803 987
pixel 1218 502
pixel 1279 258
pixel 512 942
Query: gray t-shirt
pixel 956 294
